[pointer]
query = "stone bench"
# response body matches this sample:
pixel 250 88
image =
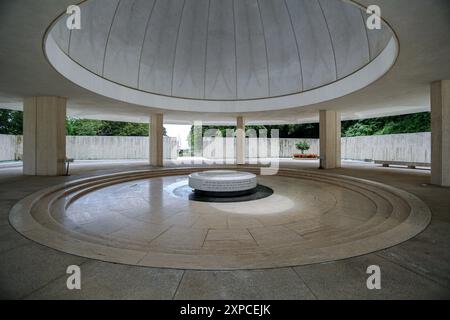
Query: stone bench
pixel 411 165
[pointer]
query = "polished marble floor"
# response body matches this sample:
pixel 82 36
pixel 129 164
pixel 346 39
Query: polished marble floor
pixel 414 269
pixel 139 218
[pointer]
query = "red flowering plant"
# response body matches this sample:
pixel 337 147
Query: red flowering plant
pixel 306 156
pixel 304 146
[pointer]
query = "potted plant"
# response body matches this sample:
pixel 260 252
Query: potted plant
pixel 304 146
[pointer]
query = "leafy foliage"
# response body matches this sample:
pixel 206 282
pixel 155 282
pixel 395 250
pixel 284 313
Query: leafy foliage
pixel 309 130
pixel 417 122
pixel 11 122
pixel 303 146
pixel 84 127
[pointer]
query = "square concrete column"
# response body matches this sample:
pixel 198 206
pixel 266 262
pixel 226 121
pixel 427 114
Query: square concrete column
pixel 44 136
pixel 440 133
pixel 330 139
pixel 156 140
pixel 197 139
pixel 240 140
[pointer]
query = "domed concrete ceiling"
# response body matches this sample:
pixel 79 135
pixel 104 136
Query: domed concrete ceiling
pixel 221 55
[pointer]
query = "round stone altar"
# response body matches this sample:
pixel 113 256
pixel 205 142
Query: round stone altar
pixel 223 182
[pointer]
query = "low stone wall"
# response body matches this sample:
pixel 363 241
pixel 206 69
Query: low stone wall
pixel 224 148
pixel 94 147
pixel 288 149
pixel 414 147
pixel 411 147
pixel 10 147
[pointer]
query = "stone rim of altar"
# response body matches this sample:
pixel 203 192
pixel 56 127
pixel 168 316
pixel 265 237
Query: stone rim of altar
pixel 223 182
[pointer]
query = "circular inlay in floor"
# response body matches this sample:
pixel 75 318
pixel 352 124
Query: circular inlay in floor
pixel 148 218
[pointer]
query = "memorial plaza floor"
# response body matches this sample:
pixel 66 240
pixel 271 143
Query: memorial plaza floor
pixel 136 235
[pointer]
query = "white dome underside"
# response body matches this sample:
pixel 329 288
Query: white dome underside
pixel 222 49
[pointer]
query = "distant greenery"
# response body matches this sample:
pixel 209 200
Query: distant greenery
pixel 84 127
pixel 417 122
pixel 11 122
pixel 309 130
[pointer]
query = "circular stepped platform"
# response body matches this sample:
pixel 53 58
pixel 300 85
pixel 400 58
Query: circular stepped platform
pixel 136 218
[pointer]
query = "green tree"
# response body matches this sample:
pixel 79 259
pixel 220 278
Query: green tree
pixel 410 123
pixel 303 146
pixel 134 129
pixel 11 122
pixel 83 127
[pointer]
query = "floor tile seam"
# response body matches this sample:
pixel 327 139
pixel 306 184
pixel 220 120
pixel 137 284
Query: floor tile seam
pixel 24 297
pixel 304 282
pixel 418 273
